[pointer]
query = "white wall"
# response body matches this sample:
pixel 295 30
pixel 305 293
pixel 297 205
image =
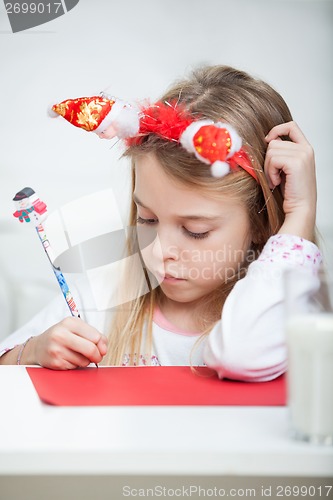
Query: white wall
pixel 135 49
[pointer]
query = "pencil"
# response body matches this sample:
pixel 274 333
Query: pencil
pixel 30 207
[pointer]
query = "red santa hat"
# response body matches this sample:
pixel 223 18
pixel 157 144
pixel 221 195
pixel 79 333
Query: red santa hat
pixel 214 144
pixel 106 116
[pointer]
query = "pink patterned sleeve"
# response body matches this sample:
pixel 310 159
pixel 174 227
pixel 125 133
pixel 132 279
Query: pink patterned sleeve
pixel 288 249
pixel 7 349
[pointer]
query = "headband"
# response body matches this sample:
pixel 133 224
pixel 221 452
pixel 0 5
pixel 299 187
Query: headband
pixel 216 144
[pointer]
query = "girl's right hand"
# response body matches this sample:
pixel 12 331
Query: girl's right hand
pixel 291 164
pixel 70 344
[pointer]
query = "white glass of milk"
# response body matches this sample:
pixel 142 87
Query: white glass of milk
pixel 309 329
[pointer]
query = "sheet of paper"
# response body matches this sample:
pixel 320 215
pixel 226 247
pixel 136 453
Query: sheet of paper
pixel 153 386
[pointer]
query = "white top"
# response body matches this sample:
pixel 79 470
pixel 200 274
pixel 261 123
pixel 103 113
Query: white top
pixel 248 343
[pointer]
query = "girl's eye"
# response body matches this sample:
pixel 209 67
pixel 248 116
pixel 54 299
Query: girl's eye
pixel 197 236
pixel 140 220
pixel 190 234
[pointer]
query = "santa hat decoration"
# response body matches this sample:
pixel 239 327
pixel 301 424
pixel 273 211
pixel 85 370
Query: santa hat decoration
pixel 107 116
pixel 216 144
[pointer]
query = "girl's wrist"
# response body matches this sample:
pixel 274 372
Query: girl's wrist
pixel 302 225
pixel 26 354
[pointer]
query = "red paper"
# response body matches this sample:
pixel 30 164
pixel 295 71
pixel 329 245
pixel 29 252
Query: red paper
pixel 151 385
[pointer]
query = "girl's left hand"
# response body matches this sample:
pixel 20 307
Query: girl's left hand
pixel 292 164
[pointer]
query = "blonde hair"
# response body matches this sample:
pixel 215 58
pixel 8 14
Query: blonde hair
pixel 253 108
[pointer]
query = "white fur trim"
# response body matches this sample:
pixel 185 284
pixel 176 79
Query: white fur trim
pixel 123 118
pixel 236 141
pixel 186 139
pixel 220 169
pixel 127 123
pixel 110 117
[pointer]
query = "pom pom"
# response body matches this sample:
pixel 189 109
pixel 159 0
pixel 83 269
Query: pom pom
pixel 220 169
pixel 51 113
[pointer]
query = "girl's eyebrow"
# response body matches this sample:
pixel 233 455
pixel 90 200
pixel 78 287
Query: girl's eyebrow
pixel 185 217
pixel 201 217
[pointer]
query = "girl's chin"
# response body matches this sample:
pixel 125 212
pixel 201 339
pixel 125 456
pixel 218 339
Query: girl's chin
pixel 179 292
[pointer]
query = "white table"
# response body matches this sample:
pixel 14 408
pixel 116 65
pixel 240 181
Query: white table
pixel 37 439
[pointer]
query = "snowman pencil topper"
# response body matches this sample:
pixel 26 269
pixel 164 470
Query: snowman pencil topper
pixel 29 208
pixel 216 144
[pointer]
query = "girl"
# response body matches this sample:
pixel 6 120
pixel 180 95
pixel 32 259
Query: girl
pixel 221 237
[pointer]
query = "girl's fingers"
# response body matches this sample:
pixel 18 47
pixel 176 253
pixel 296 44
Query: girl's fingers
pixel 275 164
pixel 289 129
pixel 85 348
pixel 59 357
pixel 75 359
pixel 279 145
pixel 77 344
pixel 82 329
pixel 86 332
pixel 103 345
pixel 293 159
pixel 69 344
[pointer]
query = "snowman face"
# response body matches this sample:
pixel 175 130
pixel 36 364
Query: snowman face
pixel 24 203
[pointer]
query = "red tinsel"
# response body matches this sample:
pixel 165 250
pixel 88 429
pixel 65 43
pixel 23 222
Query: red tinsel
pixel 167 120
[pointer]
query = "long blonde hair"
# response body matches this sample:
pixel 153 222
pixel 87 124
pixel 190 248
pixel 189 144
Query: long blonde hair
pixel 253 108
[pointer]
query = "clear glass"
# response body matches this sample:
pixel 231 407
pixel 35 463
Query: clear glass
pixel 309 329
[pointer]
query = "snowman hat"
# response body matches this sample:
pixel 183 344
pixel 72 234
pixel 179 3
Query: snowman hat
pixel 24 193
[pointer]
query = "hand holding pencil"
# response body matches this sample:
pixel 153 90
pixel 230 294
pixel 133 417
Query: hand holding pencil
pixel 71 343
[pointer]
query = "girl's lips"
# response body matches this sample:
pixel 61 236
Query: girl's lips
pixel 168 277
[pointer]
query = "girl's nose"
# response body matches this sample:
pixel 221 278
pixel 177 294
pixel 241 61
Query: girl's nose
pixel 165 246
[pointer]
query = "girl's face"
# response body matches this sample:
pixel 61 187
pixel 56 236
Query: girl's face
pixel 198 242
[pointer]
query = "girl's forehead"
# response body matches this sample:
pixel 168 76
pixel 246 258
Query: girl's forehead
pixel 155 189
